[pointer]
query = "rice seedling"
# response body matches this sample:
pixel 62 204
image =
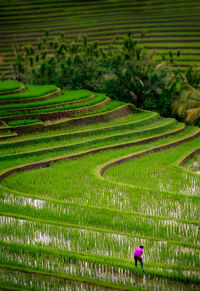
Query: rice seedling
pixel 101 20
pixel 111 106
pixel 138 117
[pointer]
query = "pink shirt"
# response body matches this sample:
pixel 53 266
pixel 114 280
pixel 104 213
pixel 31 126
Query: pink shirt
pixel 138 252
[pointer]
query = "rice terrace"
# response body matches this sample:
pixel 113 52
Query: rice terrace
pixel 100 145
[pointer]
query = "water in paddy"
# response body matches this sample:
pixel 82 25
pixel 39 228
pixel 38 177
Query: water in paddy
pixel 194 164
pixel 96 242
pixel 34 281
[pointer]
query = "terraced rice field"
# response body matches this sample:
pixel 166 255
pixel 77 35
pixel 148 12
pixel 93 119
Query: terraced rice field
pixel 79 193
pixel 169 25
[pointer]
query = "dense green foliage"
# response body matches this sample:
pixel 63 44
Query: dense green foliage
pixel 127 72
pixel 188 104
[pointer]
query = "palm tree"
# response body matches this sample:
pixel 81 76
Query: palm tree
pixel 188 105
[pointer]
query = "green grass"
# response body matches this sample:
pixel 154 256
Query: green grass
pixel 72 209
pixel 95 241
pixel 58 194
pixel 80 215
pixel 87 264
pixel 5 132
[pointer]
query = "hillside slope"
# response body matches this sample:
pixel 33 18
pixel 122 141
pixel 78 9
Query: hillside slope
pixel 169 25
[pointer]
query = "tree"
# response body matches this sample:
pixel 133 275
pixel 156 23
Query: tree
pixel 142 77
pixel 188 105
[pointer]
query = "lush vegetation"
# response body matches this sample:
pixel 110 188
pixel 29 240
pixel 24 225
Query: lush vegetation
pixel 149 68
pixel 170 25
pixel 127 72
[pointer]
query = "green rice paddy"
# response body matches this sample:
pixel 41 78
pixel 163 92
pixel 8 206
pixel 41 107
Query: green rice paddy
pixel 7 86
pixel 76 199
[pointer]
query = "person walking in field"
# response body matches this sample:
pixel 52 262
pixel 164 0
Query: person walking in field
pixel 137 255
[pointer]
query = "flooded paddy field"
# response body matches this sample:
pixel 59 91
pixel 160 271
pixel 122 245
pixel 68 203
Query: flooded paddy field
pixel 96 242
pixel 103 275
